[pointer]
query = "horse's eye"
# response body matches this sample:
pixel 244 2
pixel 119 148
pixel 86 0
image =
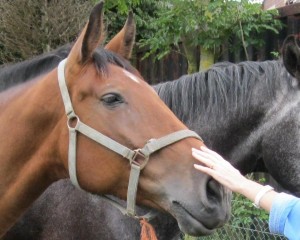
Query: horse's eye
pixel 112 99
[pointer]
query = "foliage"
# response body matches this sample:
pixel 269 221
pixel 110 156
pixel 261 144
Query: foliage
pixel 32 27
pixel 209 24
pixel 121 6
pixel 275 54
pixel 243 211
pixel 144 13
pixel 28 28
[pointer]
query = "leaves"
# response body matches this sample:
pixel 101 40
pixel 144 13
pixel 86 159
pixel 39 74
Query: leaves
pixel 244 211
pixel 209 24
pixel 32 27
pixel 29 28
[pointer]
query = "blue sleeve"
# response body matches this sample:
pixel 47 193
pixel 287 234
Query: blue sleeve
pixel 285 216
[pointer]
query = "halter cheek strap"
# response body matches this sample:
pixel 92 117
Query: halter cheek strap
pixel 137 158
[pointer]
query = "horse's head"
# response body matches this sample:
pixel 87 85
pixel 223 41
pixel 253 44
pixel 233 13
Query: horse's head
pixel 108 102
pixel 291 55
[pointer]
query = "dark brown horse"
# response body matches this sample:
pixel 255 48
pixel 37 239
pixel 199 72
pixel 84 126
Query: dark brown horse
pixel 83 119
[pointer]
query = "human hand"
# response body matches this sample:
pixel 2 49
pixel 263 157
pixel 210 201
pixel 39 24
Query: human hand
pixel 220 169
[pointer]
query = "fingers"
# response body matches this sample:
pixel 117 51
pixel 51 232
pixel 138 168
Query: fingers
pixel 203 169
pixel 213 153
pixel 203 154
pixel 205 158
pixel 217 167
pixel 211 159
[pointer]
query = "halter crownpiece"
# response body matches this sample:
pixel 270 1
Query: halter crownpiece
pixel 150 147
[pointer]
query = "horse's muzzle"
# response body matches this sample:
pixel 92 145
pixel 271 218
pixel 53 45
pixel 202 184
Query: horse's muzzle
pixel 202 218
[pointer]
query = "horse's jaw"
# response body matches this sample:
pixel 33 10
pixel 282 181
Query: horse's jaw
pixel 198 222
pixel 188 223
pixel 197 212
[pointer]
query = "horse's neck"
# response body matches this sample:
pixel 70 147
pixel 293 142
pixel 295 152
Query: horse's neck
pixel 28 150
pixel 242 134
pixel 8 95
pixel 278 110
pixel 236 130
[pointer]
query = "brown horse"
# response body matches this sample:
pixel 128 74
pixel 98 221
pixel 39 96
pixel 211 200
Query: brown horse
pixel 85 116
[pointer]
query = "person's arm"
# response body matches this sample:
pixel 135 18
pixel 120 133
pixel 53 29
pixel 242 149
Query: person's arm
pixel 251 189
pixel 284 209
pixel 221 170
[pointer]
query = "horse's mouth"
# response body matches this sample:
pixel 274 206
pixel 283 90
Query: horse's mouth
pixel 187 222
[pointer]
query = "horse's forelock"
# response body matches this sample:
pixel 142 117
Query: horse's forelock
pixel 103 57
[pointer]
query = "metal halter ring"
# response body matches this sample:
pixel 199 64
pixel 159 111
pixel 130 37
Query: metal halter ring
pixel 138 153
pixel 71 120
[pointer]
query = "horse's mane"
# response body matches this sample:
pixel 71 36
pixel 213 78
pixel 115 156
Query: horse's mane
pixel 11 75
pixel 223 89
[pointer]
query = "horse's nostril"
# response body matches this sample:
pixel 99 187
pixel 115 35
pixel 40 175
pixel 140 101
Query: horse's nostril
pixel 213 190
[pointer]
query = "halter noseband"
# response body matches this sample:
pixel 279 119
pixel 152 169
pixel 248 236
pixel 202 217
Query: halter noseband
pixel 150 147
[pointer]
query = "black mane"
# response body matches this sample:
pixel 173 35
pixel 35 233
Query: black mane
pixel 11 75
pixel 223 88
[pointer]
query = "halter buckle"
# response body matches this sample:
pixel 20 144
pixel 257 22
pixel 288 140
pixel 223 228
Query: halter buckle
pixel 138 154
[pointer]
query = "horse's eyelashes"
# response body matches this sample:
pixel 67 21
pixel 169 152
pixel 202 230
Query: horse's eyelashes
pixel 112 99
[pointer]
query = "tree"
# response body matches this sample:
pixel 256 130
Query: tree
pixel 144 11
pixel 32 27
pixel 207 25
pixel 35 26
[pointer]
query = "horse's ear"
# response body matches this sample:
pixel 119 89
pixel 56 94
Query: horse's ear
pixel 123 42
pixel 291 55
pixel 90 38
